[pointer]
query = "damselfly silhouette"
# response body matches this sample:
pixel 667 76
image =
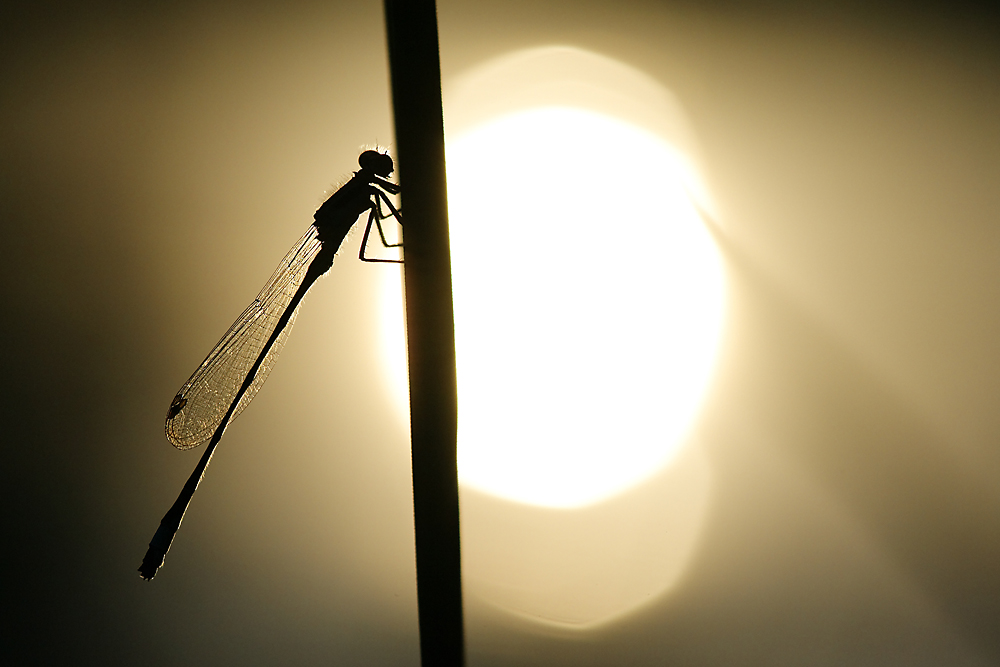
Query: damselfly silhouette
pixel 225 383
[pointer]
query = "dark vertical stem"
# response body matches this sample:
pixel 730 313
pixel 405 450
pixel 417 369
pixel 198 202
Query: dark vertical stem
pixel 416 96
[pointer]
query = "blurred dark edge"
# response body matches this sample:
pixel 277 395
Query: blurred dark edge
pixel 416 93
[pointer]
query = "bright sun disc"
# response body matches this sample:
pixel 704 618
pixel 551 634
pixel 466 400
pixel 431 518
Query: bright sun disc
pixel 588 304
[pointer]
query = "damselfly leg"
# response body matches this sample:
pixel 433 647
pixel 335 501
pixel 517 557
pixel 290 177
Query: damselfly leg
pixel 376 216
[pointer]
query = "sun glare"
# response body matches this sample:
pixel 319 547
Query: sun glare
pixel 589 300
pixel 588 304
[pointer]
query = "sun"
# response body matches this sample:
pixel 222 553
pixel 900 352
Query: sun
pixel 588 304
pixel 589 310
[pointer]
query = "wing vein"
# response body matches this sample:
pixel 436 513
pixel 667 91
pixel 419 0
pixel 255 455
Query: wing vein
pixel 202 402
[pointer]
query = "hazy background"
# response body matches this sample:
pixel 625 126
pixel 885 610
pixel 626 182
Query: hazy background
pixel 156 164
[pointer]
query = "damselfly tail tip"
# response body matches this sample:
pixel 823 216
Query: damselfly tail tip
pixel 151 562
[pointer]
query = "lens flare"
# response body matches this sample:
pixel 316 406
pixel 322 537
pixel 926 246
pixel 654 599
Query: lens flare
pixel 589 302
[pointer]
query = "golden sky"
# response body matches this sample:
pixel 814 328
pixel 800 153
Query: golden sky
pixel 157 163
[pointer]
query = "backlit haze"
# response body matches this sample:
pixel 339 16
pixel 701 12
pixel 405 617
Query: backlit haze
pixel 767 439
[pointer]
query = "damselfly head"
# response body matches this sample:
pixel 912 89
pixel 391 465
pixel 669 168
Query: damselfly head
pixel 379 164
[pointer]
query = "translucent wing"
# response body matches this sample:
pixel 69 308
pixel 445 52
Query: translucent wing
pixel 202 402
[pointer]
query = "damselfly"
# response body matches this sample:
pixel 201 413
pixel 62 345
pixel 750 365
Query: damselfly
pixel 225 383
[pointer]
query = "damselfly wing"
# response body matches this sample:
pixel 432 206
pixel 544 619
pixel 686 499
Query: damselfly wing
pixel 200 405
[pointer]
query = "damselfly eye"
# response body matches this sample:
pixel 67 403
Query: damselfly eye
pixel 379 164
